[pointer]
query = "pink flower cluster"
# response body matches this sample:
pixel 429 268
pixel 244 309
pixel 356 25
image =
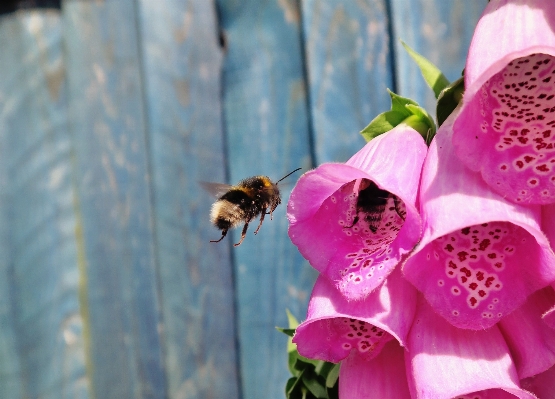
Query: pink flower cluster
pixel 437 275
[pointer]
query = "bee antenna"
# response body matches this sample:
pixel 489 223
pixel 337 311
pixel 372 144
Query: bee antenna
pixel 287 175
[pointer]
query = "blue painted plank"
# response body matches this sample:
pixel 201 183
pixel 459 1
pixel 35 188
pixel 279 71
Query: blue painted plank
pixel 349 69
pixel 266 122
pixel 439 30
pixel 37 213
pixel 113 206
pixel 182 66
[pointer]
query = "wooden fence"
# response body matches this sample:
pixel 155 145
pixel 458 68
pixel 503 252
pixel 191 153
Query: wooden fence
pixel 111 111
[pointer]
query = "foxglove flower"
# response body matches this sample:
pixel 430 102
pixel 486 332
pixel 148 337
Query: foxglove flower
pixel 548 227
pixel 335 326
pixel 355 221
pixel 365 335
pixel 382 377
pixel 542 385
pixel 480 256
pixel 448 362
pixel 532 341
pixel 506 129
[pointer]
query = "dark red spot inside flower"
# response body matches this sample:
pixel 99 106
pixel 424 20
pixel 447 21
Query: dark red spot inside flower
pixel 542 168
pixel 473 286
pixel 452 265
pixel 492 255
pixel 467 272
pixel 489 281
pixel 480 276
pixel 528 158
pixel 465 231
pixel 520 164
pixel 482 293
pixel 462 255
pixel 473 301
pixel 484 244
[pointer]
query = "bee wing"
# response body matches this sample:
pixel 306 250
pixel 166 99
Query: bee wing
pixel 216 189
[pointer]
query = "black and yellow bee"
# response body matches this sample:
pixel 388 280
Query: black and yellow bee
pixel 372 201
pixel 251 197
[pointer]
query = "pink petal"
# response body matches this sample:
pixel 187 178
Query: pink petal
pixel 323 206
pixel 335 326
pixel 382 377
pixel 543 385
pixel 549 318
pixel 531 341
pixel 480 256
pixel 446 362
pixel 505 129
pixel 548 227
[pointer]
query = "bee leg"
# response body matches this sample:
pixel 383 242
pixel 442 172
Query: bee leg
pixel 397 202
pixel 224 232
pixel 243 234
pixel 261 220
pixel 355 221
pixel 374 219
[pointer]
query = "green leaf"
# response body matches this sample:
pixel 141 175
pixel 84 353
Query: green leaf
pixel 302 362
pixel 287 331
pixel 293 355
pixel 315 387
pixel 382 123
pixel 435 79
pixel 422 122
pixel 333 376
pixel 386 121
pixel 290 386
pixel 448 99
pixel 403 110
pixel 398 103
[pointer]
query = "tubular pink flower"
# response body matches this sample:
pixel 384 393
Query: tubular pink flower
pixel 352 245
pixel 336 327
pixel 531 341
pixel 447 362
pixel 506 129
pixel 382 377
pixel 548 227
pixel 543 385
pixel 480 256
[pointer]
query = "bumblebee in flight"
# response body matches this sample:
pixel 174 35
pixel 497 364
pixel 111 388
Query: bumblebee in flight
pixel 242 203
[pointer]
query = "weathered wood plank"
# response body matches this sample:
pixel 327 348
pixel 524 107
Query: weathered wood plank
pixel 266 121
pixel 349 68
pixel 183 62
pixel 440 31
pixel 37 213
pixel 114 209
